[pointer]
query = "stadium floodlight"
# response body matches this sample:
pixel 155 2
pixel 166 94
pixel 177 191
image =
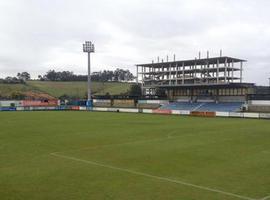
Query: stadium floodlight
pixel 88 47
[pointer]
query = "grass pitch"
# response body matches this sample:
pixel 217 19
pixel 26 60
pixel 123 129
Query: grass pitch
pixel 92 155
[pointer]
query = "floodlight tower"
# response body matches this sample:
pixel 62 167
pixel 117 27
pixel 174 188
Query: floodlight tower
pixel 88 47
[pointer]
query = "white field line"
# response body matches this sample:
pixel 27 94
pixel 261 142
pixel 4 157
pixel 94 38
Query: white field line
pixel 153 177
pixel 170 135
pixel 265 198
pixel 266 152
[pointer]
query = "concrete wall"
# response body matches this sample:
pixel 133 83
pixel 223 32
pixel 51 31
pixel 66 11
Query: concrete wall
pixel 259 102
pixel 259 108
pixel 231 98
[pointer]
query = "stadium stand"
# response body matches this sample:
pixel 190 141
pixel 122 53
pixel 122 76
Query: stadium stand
pixel 221 107
pixel 180 106
pixel 211 84
pixel 151 104
pixel 204 106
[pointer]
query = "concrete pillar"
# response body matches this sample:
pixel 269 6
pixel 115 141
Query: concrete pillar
pixel 137 70
pixel 232 71
pixel 170 74
pixel 176 74
pixel 217 70
pixel 228 71
pixel 195 73
pixel 201 72
pixel 225 72
pixel 143 72
pixel 183 73
pixel 241 72
pixel 207 70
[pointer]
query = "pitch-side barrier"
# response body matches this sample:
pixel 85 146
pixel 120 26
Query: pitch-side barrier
pixel 188 113
pixel 147 111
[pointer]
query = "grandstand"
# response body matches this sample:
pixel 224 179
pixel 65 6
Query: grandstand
pixel 206 106
pixel 207 84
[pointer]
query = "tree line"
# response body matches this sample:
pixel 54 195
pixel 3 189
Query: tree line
pixel 19 79
pixel 105 75
pixel 118 75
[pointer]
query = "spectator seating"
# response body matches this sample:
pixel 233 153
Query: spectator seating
pixel 204 106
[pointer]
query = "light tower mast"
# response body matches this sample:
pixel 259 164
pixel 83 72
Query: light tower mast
pixel 88 47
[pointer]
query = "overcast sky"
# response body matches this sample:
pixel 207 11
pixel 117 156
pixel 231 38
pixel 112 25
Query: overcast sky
pixel 38 35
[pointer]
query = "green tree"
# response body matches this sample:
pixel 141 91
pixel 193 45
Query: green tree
pixel 24 76
pixel 135 90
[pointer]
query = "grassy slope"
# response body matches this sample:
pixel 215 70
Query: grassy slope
pixel 57 89
pixel 7 89
pixel 225 154
pixel 79 88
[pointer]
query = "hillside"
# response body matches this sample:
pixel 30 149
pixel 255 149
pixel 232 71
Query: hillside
pixel 57 89
pixel 12 91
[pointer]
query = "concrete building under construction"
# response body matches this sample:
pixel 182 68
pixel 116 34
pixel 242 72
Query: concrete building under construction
pixel 214 79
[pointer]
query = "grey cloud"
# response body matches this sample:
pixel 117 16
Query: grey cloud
pixel 36 35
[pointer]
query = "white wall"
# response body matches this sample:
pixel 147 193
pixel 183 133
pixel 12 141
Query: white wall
pixel 259 103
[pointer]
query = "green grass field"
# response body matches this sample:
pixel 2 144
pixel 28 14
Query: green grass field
pixel 94 155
